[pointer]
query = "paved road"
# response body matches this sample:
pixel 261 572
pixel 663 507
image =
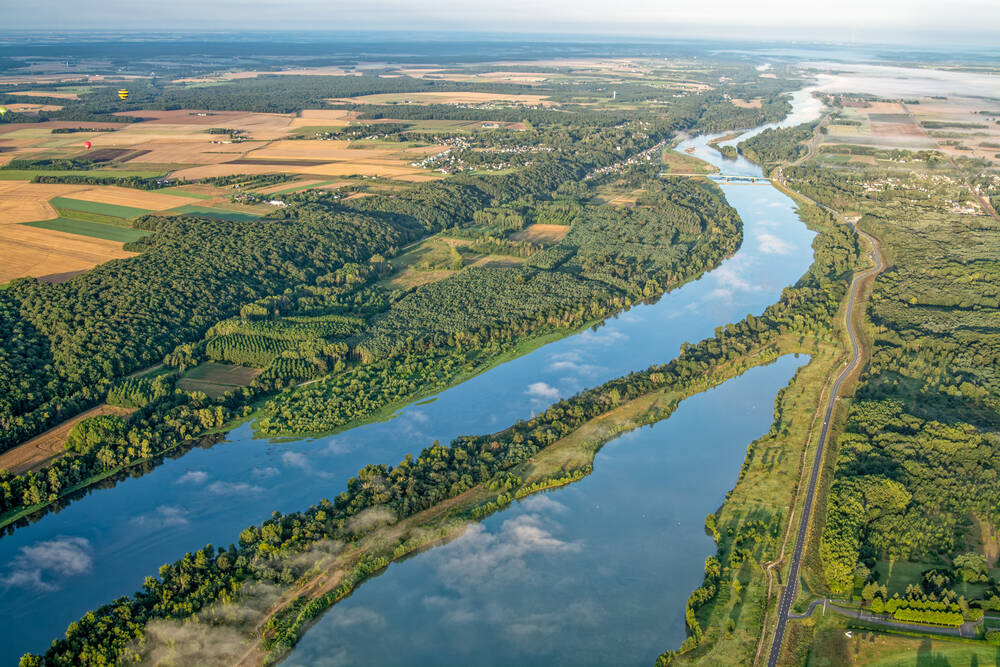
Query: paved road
pixel 967 629
pixel 790 590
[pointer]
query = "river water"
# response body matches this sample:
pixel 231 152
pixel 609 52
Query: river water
pixel 102 546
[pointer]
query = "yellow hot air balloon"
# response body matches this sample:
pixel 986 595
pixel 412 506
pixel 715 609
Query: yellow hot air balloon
pixel 122 93
pixel 3 111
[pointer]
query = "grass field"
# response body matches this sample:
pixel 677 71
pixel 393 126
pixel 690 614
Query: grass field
pixel 427 262
pixel 185 193
pixel 99 208
pixel 95 230
pixel 867 648
pixel 217 379
pixel 539 233
pixel 209 212
pixel 679 163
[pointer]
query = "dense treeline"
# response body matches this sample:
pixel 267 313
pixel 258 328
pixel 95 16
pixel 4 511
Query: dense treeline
pixel 138 392
pixel 137 182
pixel 774 146
pixel 113 632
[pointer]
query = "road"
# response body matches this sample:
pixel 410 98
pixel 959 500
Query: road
pixel 967 629
pixel 791 589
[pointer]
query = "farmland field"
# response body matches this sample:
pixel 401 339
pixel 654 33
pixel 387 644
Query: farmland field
pixel 95 230
pixel 51 255
pixel 128 197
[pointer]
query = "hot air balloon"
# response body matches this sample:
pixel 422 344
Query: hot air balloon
pixel 3 111
pixel 122 93
pixel 87 145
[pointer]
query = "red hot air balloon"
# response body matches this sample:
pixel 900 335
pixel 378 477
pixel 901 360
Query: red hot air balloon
pixel 87 145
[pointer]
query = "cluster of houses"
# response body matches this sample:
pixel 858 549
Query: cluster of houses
pixel 647 155
pixel 449 161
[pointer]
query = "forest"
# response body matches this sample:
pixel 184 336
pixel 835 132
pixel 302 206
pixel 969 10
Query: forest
pixel 916 465
pixel 611 258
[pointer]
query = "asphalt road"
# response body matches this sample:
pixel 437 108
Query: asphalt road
pixel 792 587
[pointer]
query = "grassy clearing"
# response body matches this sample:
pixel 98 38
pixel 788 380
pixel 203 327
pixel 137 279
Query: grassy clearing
pixel 217 379
pixel 427 262
pixel 96 230
pixel 679 163
pixel 98 208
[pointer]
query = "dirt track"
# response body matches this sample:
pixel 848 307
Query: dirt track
pixel 45 448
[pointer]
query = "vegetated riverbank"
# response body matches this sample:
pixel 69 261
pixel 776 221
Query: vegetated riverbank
pixel 804 312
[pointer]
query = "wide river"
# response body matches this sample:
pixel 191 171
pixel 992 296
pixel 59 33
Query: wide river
pixel 613 556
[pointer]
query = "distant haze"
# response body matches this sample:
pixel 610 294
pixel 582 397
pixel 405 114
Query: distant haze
pixel 918 22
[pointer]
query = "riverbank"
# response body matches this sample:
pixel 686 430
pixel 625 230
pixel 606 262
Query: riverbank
pixel 564 461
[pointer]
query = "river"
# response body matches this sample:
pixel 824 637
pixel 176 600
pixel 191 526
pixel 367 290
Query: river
pixel 104 545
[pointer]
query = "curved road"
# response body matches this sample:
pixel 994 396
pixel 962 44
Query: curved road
pixel 791 589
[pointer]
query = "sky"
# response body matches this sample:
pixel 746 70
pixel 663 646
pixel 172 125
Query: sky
pixel 910 21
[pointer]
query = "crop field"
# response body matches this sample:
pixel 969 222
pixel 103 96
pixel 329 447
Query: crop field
pixel 216 379
pixel 541 233
pixel 446 98
pixel 21 201
pixel 187 193
pixel 95 230
pixel 954 125
pixel 42 449
pixel 325 117
pixel 282 188
pixel 51 255
pixel 21 107
pixel 140 199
